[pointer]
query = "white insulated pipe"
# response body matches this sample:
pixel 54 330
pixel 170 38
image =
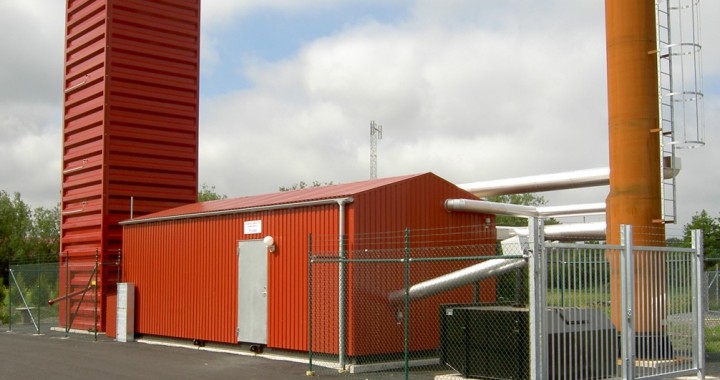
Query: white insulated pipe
pixel 342 319
pixel 571 231
pixel 544 182
pixel 469 205
pixel 572 210
pixel 561 232
pixel 450 281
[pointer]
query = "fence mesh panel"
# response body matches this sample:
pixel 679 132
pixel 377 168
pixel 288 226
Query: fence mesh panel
pixel 582 341
pixel 665 321
pixel 59 297
pixel 30 287
pixel 414 298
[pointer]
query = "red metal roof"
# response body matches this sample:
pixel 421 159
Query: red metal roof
pixel 280 198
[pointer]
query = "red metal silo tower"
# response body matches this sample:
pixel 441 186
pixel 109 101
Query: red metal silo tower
pixel 131 85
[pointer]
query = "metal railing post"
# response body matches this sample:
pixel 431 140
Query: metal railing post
pixel 627 281
pixel 536 271
pixel 698 307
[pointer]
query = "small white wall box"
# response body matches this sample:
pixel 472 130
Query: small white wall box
pixel 125 312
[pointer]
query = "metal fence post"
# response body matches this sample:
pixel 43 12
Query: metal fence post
pixel 67 291
pixel 698 307
pixel 627 281
pixel 9 302
pixel 341 304
pixel 537 268
pixel 95 286
pixel 119 266
pixel 39 303
pixel 407 303
pixel 310 371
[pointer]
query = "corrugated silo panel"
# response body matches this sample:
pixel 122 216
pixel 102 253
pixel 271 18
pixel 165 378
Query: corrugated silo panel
pixel 130 119
pixel 152 132
pixel 82 173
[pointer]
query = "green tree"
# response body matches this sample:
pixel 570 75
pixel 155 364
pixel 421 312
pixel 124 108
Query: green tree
pixel 303 184
pixel 44 237
pixel 525 199
pixel 711 235
pixel 207 193
pixel 15 226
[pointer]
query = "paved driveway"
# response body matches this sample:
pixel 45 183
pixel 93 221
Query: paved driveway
pixel 24 355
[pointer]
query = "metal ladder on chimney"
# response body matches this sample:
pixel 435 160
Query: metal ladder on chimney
pixel 679 91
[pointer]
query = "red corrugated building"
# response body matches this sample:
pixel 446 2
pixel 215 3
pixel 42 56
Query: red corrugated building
pixel 191 264
pixel 130 130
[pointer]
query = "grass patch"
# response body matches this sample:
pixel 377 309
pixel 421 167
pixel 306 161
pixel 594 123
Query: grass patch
pixel 712 336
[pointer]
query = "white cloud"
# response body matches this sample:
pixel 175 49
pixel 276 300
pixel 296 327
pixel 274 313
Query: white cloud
pixel 470 90
pixel 438 92
pixel 31 36
pixel 30 140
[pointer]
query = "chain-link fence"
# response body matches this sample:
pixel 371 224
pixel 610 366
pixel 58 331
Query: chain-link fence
pixel 397 300
pixel 434 302
pixel 30 286
pixel 712 284
pixel 712 304
pixel 60 294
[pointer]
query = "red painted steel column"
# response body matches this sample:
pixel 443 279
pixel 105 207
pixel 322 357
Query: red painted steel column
pixel 635 182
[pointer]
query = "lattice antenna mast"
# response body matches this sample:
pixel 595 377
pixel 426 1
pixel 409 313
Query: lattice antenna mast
pixel 375 135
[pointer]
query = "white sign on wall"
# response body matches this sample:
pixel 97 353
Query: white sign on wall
pixel 252 227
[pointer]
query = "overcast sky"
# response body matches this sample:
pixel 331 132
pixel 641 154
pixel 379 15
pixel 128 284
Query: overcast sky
pixel 470 90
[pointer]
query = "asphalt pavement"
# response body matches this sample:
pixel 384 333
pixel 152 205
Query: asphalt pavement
pixel 24 355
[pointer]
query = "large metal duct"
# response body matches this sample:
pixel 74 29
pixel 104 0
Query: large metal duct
pixel 544 182
pixel 516 245
pixel 469 205
pixel 516 237
pixel 572 210
pixel 450 281
pixel 573 231
pixel 559 232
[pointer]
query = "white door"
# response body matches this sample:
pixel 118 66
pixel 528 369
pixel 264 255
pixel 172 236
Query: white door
pixel 252 292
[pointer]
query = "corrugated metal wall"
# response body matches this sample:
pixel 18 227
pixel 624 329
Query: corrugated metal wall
pixel 131 121
pixel 185 270
pixel 186 274
pixel 416 204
